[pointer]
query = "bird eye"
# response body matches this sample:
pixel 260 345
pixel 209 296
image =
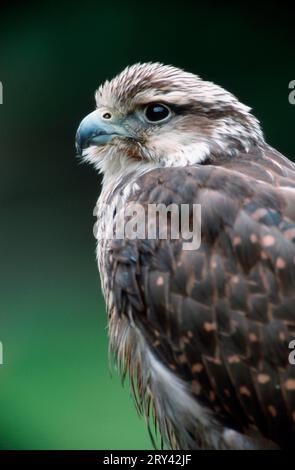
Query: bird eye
pixel 156 112
pixel 107 115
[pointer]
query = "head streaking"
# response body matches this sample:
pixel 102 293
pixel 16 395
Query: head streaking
pixel 163 116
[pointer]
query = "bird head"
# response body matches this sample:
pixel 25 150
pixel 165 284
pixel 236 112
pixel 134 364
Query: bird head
pixel 160 115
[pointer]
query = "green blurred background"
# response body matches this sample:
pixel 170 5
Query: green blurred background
pixel 56 391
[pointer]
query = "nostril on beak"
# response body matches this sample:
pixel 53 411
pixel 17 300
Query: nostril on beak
pixel 94 130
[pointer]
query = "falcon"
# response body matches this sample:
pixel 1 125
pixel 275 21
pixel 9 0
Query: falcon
pixel 203 334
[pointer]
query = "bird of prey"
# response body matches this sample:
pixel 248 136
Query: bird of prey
pixel 203 334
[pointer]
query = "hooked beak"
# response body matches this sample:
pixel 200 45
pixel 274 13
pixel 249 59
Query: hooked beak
pixel 93 130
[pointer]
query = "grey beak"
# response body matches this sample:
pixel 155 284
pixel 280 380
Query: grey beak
pixel 94 130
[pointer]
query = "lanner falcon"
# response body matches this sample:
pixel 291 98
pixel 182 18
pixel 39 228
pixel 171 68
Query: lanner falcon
pixel 204 334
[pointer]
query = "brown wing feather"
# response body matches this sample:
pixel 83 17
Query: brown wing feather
pixel 221 317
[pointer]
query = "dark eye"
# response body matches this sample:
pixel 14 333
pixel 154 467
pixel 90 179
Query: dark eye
pixel 156 112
